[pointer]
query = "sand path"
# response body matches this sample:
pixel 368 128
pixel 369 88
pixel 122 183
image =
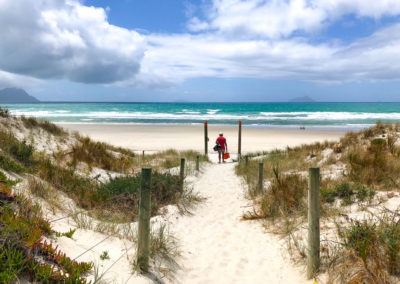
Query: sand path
pixel 220 248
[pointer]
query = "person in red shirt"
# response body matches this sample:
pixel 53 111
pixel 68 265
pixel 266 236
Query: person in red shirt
pixel 221 140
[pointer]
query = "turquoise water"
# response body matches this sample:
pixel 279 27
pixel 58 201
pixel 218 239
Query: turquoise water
pixel 314 115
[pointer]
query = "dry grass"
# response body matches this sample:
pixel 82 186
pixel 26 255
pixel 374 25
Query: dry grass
pixel 368 250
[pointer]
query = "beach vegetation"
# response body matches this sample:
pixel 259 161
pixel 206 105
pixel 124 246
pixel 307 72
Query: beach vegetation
pixel 164 251
pixel 99 154
pixel 20 151
pixel 4 112
pixel 369 250
pixel 24 253
pixel 120 196
pixel 354 174
pixel 112 197
pixel 285 196
pixel 49 127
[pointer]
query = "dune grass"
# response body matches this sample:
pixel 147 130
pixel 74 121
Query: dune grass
pixel 112 198
pixel 368 251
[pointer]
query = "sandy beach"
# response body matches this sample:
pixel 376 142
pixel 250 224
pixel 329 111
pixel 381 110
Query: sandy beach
pixel 191 137
pixel 216 245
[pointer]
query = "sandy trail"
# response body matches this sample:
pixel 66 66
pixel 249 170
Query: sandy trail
pixel 220 248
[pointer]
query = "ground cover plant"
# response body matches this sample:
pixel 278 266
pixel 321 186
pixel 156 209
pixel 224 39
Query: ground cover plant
pixel 103 180
pixel 355 174
pixel 23 252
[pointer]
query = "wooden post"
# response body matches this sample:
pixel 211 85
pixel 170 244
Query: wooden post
pixel 205 138
pixel 197 163
pixel 182 172
pixel 143 248
pixel 313 256
pixel 240 140
pixel 260 176
pixel 246 160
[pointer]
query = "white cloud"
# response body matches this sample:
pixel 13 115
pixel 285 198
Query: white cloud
pixel 276 19
pixel 64 39
pixel 252 38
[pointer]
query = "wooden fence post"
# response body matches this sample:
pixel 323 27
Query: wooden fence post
pixel 205 138
pixel 143 250
pixel 240 140
pixel 197 163
pixel 182 172
pixel 260 176
pixel 246 158
pixel 313 256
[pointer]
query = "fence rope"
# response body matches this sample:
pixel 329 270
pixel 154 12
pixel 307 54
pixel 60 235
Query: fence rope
pixel 92 247
pixel 125 253
pixel 65 217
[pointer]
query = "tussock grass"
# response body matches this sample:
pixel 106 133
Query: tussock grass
pixel 119 197
pixel 370 251
pixel 285 196
pixel 113 199
pixel 4 112
pixel 32 122
pixel 101 155
pixel 20 151
pixel 367 250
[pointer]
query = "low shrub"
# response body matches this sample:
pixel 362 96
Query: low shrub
pixel 121 194
pixel 22 250
pixel 376 245
pixel 286 196
pixel 32 122
pixel 4 112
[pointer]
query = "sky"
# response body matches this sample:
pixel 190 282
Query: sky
pixel 201 50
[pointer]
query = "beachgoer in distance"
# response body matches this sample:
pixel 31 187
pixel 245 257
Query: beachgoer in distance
pixel 221 140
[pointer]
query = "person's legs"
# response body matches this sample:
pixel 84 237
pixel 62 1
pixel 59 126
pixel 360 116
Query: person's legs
pixel 219 156
pixel 222 154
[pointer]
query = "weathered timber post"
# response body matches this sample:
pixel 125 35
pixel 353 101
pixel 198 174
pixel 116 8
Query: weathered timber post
pixel 143 250
pixel 182 173
pixel 197 163
pixel 246 160
pixel 260 176
pixel 205 138
pixel 240 140
pixel 313 256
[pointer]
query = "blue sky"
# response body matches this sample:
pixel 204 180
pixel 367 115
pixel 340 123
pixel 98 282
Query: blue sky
pixel 204 50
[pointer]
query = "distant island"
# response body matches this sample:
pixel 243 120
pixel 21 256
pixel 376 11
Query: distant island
pixel 304 99
pixel 16 95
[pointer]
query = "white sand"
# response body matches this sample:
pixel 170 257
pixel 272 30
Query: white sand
pixel 191 137
pixel 221 248
pixel 217 246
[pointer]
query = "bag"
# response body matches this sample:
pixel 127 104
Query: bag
pixel 226 155
pixel 217 147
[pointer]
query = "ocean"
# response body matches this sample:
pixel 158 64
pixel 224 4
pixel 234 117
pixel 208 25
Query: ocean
pixel 347 116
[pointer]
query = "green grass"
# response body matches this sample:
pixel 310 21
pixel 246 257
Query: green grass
pixel 121 195
pixel 373 249
pixel 369 250
pixel 32 122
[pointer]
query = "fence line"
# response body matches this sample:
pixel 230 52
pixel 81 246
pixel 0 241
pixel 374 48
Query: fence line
pixel 125 253
pixel 92 247
pixel 65 217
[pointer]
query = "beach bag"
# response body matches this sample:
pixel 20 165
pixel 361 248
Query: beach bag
pixel 217 147
pixel 226 155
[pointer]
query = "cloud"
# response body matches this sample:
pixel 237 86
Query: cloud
pixel 64 39
pixel 277 40
pixel 275 19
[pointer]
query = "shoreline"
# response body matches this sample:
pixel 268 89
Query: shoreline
pixel 144 137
